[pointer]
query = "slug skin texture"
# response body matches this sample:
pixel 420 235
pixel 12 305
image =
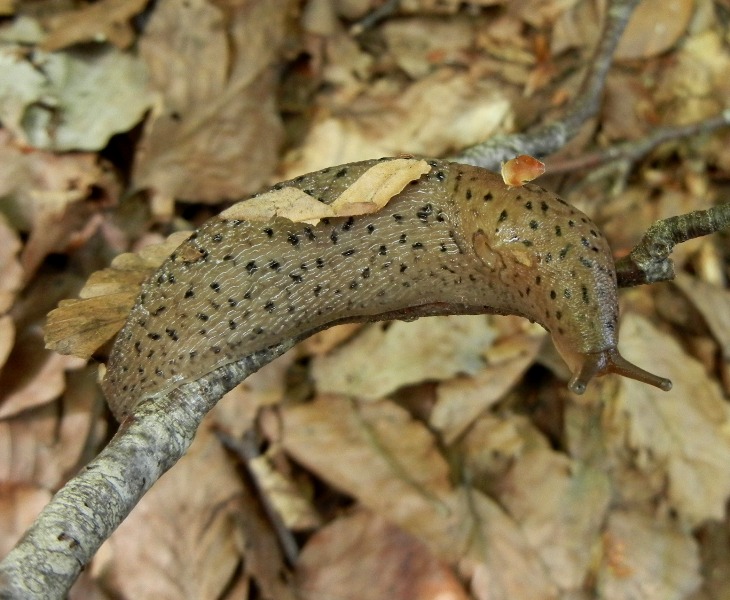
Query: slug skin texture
pixel 455 241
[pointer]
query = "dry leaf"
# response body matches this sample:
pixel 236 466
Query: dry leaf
pixel 419 45
pixel 460 401
pixel 713 303
pixel 362 556
pixel 215 130
pixel 295 510
pixel 19 506
pixel 327 340
pixel 499 562
pixel 45 195
pixel 81 326
pixel 384 357
pixel 560 505
pixel 655 26
pixel 179 541
pixel 104 21
pixel 378 454
pixel 685 433
pixel 431 117
pixel 7 338
pixel 33 376
pixel 645 558
pixel 43 446
pixel 11 273
pixel 71 100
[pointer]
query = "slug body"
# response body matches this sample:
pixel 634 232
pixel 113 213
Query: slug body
pixel 457 240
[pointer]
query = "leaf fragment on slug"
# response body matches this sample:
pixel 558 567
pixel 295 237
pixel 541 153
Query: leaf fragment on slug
pixel 288 202
pixel 374 188
pixel 368 194
pixel 82 325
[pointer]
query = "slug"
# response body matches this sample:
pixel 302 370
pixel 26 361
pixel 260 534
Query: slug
pixel 455 241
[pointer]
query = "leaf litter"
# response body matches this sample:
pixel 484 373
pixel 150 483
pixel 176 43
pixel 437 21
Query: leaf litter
pixel 448 446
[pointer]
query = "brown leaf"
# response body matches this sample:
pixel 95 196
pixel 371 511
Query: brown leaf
pixel 33 376
pixel 11 273
pixel 713 303
pixel 44 445
pixel 46 194
pixel 19 506
pixel 684 435
pixel 215 131
pixel 461 400
pixel 363 556
pixel 374 364
pixel 647 558
pixel 654 27
pixel 107 20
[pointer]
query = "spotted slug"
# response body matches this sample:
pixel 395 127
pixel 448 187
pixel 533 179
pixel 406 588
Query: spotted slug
pixel 455 241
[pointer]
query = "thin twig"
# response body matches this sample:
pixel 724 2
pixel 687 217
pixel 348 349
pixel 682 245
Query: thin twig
pixel 649 261
pixel 371 19
pixel 633 150
pixel 247 450
pixel 545 139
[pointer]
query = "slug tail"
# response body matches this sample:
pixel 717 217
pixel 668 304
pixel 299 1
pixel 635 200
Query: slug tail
pixel 610 361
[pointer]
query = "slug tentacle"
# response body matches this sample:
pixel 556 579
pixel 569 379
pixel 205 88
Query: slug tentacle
pixel 456 240
pixel 611 361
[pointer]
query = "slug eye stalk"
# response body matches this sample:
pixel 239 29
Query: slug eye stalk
pixel 597 364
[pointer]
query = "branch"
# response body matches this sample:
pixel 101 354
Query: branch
pixel 546 139
pixel 649 261
pixel 85 512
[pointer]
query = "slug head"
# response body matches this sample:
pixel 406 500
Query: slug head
pixel 587 366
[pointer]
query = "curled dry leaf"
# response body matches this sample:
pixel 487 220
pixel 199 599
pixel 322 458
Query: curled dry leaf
pixel 44 445
pixel 518 171
pixel 81 326
pixel 368 194
pixel 363 556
